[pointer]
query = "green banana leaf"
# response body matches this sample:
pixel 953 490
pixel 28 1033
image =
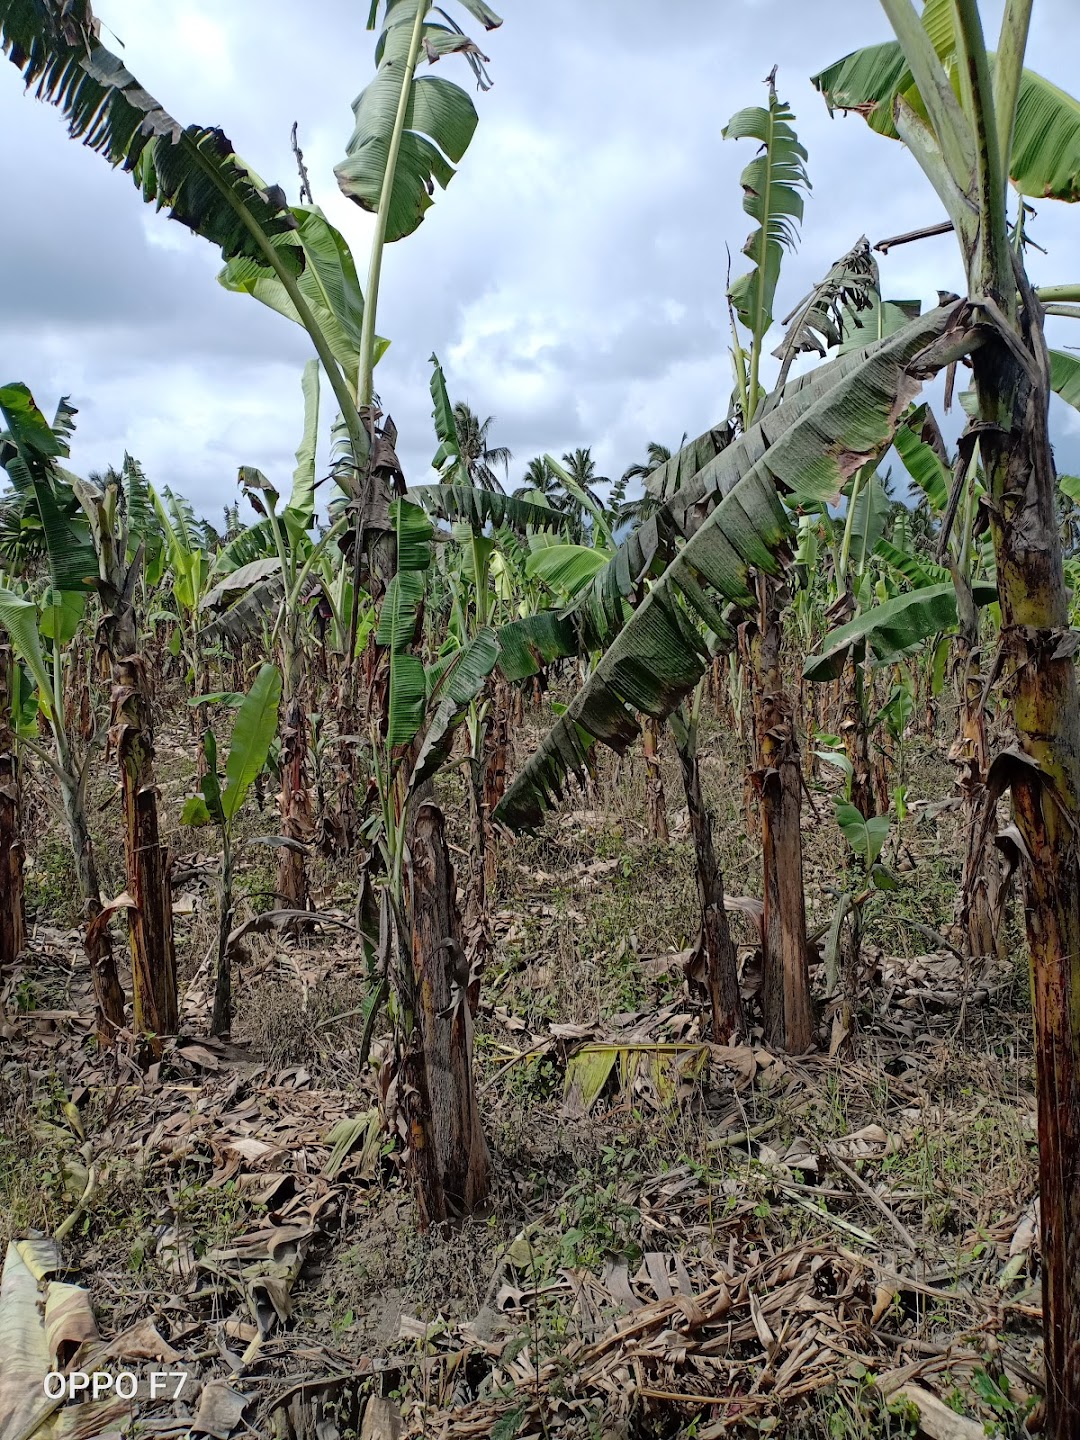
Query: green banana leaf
pixel 1045 159
pixel 566 568
pixel 19 617
pixel 253 731
pixel 893 629
pixel 459 686
pixel 440 120
pixel 327 281
pixel 1065 376
pixel 659 655
pixel 869 515
pixel 598 615
pixel 923 463
pixel 773 185
pixel 480 508
pixel 300 511
pixel 29 451
pixel 399 618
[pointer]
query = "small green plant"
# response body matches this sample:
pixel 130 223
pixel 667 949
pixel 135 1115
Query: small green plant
pixel 256 723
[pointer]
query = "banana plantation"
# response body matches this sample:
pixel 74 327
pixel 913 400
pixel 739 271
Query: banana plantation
pixel 507 951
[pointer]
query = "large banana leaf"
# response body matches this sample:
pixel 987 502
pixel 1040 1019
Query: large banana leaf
pixel 529 645
pixel 328 282
pixel 481 508
pixel 398 621
pixel 19 617
pixel 566 568
pixel 439 120
pixel 772 185
pixel 29 450
pixel 254 729
pixel 659 655
pixel 193 172
pixel 1065 376
pixel 460 684
pixel 1045 159
pixel 894 629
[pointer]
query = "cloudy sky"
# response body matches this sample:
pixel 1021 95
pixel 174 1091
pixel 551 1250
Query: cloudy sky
pixel 571 278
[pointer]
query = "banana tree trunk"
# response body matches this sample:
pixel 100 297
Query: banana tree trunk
pixel 718 951
pixel 1044 773
pixel 296 818
pixel 150 924
pixel 12 906
pixel 777 781
pixel 108 994
pixel 655 800
pixel 448 1154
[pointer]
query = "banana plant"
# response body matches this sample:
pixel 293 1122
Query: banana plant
pixel 276 585
pixel 40 631
pixel 410 131
pixel 252 734
pixel 150 924
pixel 974 122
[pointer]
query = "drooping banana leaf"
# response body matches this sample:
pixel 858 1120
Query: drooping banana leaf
pixel 327 281
pixel 481 508
pixel 894 629
pixel 659 654
pixel 193 172
pixel 529 645
pixel 439 119
pixel 29 451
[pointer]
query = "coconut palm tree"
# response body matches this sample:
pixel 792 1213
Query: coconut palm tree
pixel 480 459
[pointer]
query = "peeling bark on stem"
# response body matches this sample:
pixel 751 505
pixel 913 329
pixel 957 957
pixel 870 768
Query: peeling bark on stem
pixel 108 994
pixel 448 1154
pixel 1046 802
pixel 150 924
pixel 718 951
pixel 778 782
